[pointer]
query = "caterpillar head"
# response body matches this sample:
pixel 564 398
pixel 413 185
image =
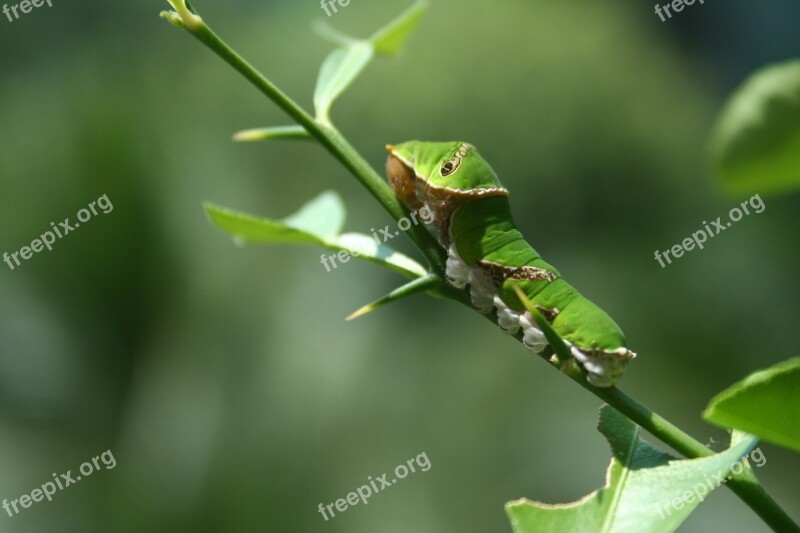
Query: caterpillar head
pixel 442 175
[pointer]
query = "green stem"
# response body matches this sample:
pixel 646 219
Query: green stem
pixel 331 139
pixel 745 485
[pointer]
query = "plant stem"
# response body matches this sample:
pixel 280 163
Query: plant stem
pixel 745 485
pixel 331 139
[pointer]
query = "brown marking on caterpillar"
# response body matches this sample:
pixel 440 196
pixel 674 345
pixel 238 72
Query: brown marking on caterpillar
pixel 532 274
pixel 499 273
pixel 443 201
pixel 403 182
pixel 549 314
pixel 416 191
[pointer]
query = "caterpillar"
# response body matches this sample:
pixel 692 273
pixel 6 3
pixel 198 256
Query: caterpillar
pixel 486 252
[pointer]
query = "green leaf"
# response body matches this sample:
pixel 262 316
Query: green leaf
pixel 333 35
pixel 315 222
pixel 369 250
pixel 390 39
pixel 323 216
pixel 766 403
pixel 275 132
pixel 319 222
pixel 756 142
pixel 343 65
pixel 646 490
pixel 425 283
pixel 339 70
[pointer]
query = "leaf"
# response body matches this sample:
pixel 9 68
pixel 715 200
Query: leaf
pixel 366 247
pixel 391 38
pixel 319 222
pixel 332 35
pixel 343 65
pixel 275 132
pixel 427 282
pixel 323 216
pixel 339 70
pixel 756 142
pixel 646 490
pixel 766 403
pixel 315 222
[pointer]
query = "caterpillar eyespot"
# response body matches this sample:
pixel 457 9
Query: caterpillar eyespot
pixel 488 254
pixel 448 168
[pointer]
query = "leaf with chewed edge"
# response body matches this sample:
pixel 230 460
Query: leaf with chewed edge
pixel 646 490
pixel 319 222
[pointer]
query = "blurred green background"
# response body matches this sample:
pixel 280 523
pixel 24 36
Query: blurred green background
pixel 225 381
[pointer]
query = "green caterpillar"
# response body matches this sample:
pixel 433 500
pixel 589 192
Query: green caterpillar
pixel 486 251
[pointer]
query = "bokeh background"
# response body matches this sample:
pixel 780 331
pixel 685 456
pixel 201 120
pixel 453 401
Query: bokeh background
pixel 224 379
